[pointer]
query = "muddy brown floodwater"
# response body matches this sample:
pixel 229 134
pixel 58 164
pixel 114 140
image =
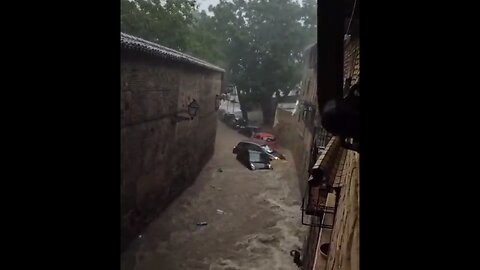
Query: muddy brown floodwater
pixel 255 227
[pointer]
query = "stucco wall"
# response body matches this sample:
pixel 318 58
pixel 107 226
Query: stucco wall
pixel 160 157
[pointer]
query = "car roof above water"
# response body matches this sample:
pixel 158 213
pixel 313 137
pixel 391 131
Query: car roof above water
pixel 254 141
pixel 265 134
pixel 262 155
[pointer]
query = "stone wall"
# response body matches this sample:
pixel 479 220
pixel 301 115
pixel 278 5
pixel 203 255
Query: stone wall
pixel 351 64
pixel 297 131
pixel 160 156
pixel 292 134
pixel 283 127
pixel 345 241
pixel 344 237
pixel 310 243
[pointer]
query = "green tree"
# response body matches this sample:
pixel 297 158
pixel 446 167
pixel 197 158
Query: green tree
pixel 203 42
pixel 258 42
pixel 176 24
pixel 263 42
pixel 309 20
pixel 165 22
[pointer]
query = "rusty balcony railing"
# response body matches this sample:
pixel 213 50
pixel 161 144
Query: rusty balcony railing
pixel 320 183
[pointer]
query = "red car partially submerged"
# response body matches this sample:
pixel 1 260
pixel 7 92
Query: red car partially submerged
pixel 268 138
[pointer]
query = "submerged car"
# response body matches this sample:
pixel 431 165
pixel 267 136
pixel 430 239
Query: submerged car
pixel 254 159
pixel 229 118
pixel 267 137
pixel 239 123
pixel 259 146
pixel 234 121
pixel 248 131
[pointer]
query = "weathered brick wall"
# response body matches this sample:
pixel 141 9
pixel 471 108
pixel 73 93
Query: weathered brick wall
pixel 283 127
pixel 292 134
pixel 310 244
pixel 345 242
pixel 159 156
pixel 296 133
pixel 344 237
pixel 302 131
pixel 309 83
pixel 327 162
pixel 351 64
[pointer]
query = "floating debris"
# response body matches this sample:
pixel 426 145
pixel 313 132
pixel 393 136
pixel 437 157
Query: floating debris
pixel 217 188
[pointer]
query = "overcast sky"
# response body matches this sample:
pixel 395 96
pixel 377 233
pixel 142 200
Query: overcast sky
pixel 205 3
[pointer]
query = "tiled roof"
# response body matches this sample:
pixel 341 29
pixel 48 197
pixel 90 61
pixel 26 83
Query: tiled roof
pixel 130 42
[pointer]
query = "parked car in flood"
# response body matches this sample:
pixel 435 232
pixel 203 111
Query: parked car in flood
pixel 254 159
pixel 267 137
pixel 228 118
pixel 234 121
pixel 240 123
pixel 248 131
pixel 259 146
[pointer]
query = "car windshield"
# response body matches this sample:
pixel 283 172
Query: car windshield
pixel 254 157
pixel 257 157
pixel 268 149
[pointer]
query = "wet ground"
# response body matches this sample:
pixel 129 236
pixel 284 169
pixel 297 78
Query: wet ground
pixel 253 219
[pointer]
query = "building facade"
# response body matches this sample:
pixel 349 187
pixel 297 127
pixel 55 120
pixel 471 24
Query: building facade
pixel 334 187
pixel 163 148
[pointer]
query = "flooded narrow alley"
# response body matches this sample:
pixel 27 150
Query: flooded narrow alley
pixel 253 218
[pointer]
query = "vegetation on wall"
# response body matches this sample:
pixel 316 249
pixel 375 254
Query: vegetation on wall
pixel 258 42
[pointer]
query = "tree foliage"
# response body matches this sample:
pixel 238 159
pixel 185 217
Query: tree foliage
pixel 258 42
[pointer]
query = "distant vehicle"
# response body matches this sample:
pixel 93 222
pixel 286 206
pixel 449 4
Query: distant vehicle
pixel 268 138
pixel 229 119
pixel 240 123
pixel 248 131
pixel 259 146
pixel 221 114
pixel 253 159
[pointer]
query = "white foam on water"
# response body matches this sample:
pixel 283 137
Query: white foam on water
pixel 270 250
